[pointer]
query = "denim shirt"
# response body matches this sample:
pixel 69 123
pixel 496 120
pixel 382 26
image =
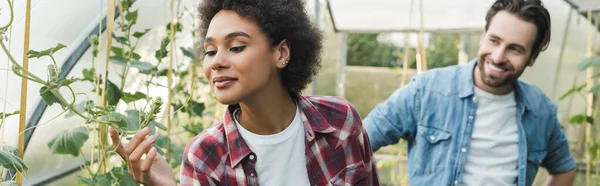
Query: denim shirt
pixel 435 114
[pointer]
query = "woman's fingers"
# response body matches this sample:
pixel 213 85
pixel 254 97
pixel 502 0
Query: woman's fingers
pixel 116 139
pixel 147 164
pixel 137 139
pixel 136 156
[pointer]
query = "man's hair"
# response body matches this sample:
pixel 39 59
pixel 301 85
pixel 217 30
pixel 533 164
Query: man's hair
pixel 532 11
pixel 278 20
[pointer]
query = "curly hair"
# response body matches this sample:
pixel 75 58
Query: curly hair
pixel 278 20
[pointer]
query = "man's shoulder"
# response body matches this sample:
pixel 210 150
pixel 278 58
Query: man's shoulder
pixel 537 99
pixel 444 80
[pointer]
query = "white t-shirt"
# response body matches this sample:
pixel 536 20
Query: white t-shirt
pixel 493 153
pixel 280 157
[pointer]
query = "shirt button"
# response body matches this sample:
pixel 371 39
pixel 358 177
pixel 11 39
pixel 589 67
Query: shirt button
pixel 470 117
pixel 347 184
pixel 252 175
pixel 455 182
pixel 431 138
pixel 463 150
pixel 251 157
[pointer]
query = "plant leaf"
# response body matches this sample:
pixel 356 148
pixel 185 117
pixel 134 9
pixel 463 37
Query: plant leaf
pixel 118 60
pixel 178 27
pixel 69 141
pixel 133 120
pixel 120 39
pixel 134 55
pixel 580 119
pixel 66 82
pixel 196 108
pixel 157 124
pixel 117 50
pixel 115 118
pixel 573 90
pixel 194 128
pixel 47 52
pixel 128 98
pixel 8 114
pixel 189 52
pixel 88 74
pixel 586 63
pixel 47 96
pixel 9 158
pixel 595 90
pixel 132 17
pixel 113 93
pixel 82 107
pixel 144 67
pixel 140 34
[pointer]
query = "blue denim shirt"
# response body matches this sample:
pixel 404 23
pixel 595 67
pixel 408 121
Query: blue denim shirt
pixel 441 103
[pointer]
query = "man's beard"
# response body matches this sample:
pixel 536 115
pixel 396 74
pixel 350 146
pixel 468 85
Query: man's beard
pixel 492 81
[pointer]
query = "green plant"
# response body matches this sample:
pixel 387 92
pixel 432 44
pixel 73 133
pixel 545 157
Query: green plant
pixel 98 115
pixel 584 119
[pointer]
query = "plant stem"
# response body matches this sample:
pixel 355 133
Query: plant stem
pixel 18 66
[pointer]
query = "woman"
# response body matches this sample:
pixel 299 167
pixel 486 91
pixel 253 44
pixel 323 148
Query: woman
pixel 259 55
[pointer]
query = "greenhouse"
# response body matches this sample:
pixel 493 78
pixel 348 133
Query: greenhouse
pixel 130 64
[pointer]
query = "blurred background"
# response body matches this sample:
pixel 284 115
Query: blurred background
pixel 371 48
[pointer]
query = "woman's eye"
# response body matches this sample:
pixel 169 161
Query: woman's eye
pixel 210 53
pixel 237 49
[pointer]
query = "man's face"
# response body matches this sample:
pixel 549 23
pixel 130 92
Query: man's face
pixel 505 50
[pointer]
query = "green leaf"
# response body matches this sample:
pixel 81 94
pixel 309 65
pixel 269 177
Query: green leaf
pixel 47 96
pixel 162 72
pixel 133 120
pixel 47 52
pixel 88 74
pixel 176 159
pixel 81 107
pixel 573 90
pixel 117 50
pixel 144 67
pixel 162 141
pixel 132 17
pixel 123 177
pixel 157 124
pixel 115 118
pixel 66 82
pixel 193 128
pixel 113 93
pixel 162 51
pixel 118 60
pixel 69 141
pixel 178 27
pixel 9 183
pixel 128 98
pixel 120 39
pixel 134 55
pixel 580 119
pixel 140 34
pixel 5 115
pixel 586 63
pixel 189 52
pixel 595 90
pixel 196 108
pixel 9 158
pixel 593 150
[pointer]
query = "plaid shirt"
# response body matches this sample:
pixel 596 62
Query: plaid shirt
pixel 337 149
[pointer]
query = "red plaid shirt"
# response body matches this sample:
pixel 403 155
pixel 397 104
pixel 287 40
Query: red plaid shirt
pixel 337 149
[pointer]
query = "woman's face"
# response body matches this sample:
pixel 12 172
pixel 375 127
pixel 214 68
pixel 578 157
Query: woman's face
pixel 239 61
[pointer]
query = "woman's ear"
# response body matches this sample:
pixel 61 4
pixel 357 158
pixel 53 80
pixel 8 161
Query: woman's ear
pixel 282 54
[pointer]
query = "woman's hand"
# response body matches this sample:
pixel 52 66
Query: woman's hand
pixel 154 169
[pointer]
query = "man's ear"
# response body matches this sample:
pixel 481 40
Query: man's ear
pixel 282 53
pixel 532 60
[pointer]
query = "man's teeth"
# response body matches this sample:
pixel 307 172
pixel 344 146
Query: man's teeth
pixel 493 67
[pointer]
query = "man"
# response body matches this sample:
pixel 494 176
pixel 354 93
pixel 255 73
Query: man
pixel 478 124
